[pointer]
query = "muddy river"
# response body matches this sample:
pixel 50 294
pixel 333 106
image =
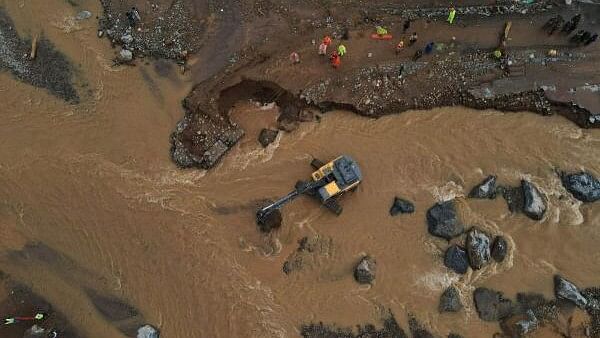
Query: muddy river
pixel 94 184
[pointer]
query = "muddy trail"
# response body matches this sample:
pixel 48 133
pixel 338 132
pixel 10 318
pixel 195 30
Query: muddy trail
pixel 105 233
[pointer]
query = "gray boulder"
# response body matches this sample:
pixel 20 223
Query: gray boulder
pixel 534 204
pixel 499 249
pixel 125 55
pixel 442 220
pixel 478 249
pixel 485 189
pixel 450 300
pixel 127 39
pixel 583 186
pixel 564 289
pixel 364 272
pixel 456 259
pixel 401 206
pixel 491 305
pixel 520 325
pixel 147 331
pixel 83 15
pixel 35 332
pixel 267 136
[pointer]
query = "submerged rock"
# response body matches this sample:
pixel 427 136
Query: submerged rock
pixel 456 259
pixel 478 248
pixel 442 220
pixel 534 205
pixel 401 206
pixel 364 273
pixel 267 136
pixel 450 300
pixel 584 186
pixel 491 305
pixel 563 289
pixel 147 331
pixel 499 249
pixel 485 189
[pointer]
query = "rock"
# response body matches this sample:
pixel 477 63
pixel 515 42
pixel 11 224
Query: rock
pixel 478 249
pixel 534 205
pixel 35 332
pixel 520 325
pixel 491 305
pixel 83 15
pixel 267 136
pixel 563 289
pixel 499 249
pixel 593 297
pixel 454 335
pixel 364 273
pixel 417 330
pixel 456 259
pixel 442 220
pixel 513 196
pixel 450 300
pixel 271 222
pixel 147 331
pixel 584 186
pixel 401 206
pixel 125 55
pixel 485 189
pixel 127 39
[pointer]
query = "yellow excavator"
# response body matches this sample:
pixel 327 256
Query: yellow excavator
pixel 327 183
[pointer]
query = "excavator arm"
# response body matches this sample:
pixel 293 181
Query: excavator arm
pixel 301 188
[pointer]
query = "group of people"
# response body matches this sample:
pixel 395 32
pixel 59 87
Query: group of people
pixel 336 56
pixel 581 37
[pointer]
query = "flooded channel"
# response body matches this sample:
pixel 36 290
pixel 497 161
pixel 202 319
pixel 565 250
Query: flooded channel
pixel 93 183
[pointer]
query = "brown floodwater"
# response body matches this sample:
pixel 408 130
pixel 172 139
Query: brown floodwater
pixel 95 183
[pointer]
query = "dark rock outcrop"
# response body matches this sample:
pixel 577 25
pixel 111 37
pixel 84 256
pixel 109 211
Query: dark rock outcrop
pixel 491 305
pixel 513 197
pixel 417 329
pixel 584 186
pixel 147 331
pixel 544 310
pixel 271 222
pixel 390 329
pixel 564 289
pixel 478 249
pixel 267 136
pixel 442 220
pixel 401 206
pixel 499 249
pixel 456 259
pixel 450 300
pixel 485 189
pixel 534 204
pixel 364 272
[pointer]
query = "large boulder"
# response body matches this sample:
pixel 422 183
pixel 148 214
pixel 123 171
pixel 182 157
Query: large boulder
pixel 491 305
pixel 147 331
pixel 478 249
pixel 564 289
pixel 485 189
pixel 442 220
pixel 534 204
pixel 267 136
pixel 584 186
pixel 456 259
pixel 499 249
pixel 450 300
pixel 364 272
pixel 401 206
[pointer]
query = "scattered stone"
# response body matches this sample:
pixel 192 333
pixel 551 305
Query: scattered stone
pixel 499 249
pixel 456 259
pixel 534 205
pixel 364 273
pixel 485 189
pixel 450 300
pixel 491 305
pixel 83 15
pixel 442 220
pixel 390 329
pixel 401 206
pixel 593 297
pixel 584 186
pixel 147 331
pixel 125 55
pixel 127 39
pixel 267 136
pixel 100 33
pixel 478 248
pixel 564 289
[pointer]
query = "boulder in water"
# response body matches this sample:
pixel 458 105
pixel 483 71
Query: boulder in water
pixel 442 220
pixel 456 259
pixel 401 206
pixel 499 249
pixel 364 273
pixel 564 289
pixel 485 189
pixel 583 186
pixel 267 136
pixel 478 248
pixel 491 305
pixel 147 331
pixel 271 221
pixel 450 300
pixel 534 204
pixel 520 325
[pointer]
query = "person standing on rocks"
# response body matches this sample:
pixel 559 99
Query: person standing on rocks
pixel 399 47
pixel 335 60
pixel 451 15
pixel 413 38
pixel 294 58
pixel 429 48
pixel 341 50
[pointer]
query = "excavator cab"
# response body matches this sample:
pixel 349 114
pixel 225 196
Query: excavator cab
pixel 328 182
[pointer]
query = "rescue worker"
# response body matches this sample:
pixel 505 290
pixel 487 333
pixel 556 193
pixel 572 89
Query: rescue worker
pixel 335 60
pixel 497 54
pixel 327 40
pixel 413 39
pixel 294 58
pixel 451 15
pixel 429 48
pixel 399 47
pixel 381 31
pixel 341 50
pixel 323 49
